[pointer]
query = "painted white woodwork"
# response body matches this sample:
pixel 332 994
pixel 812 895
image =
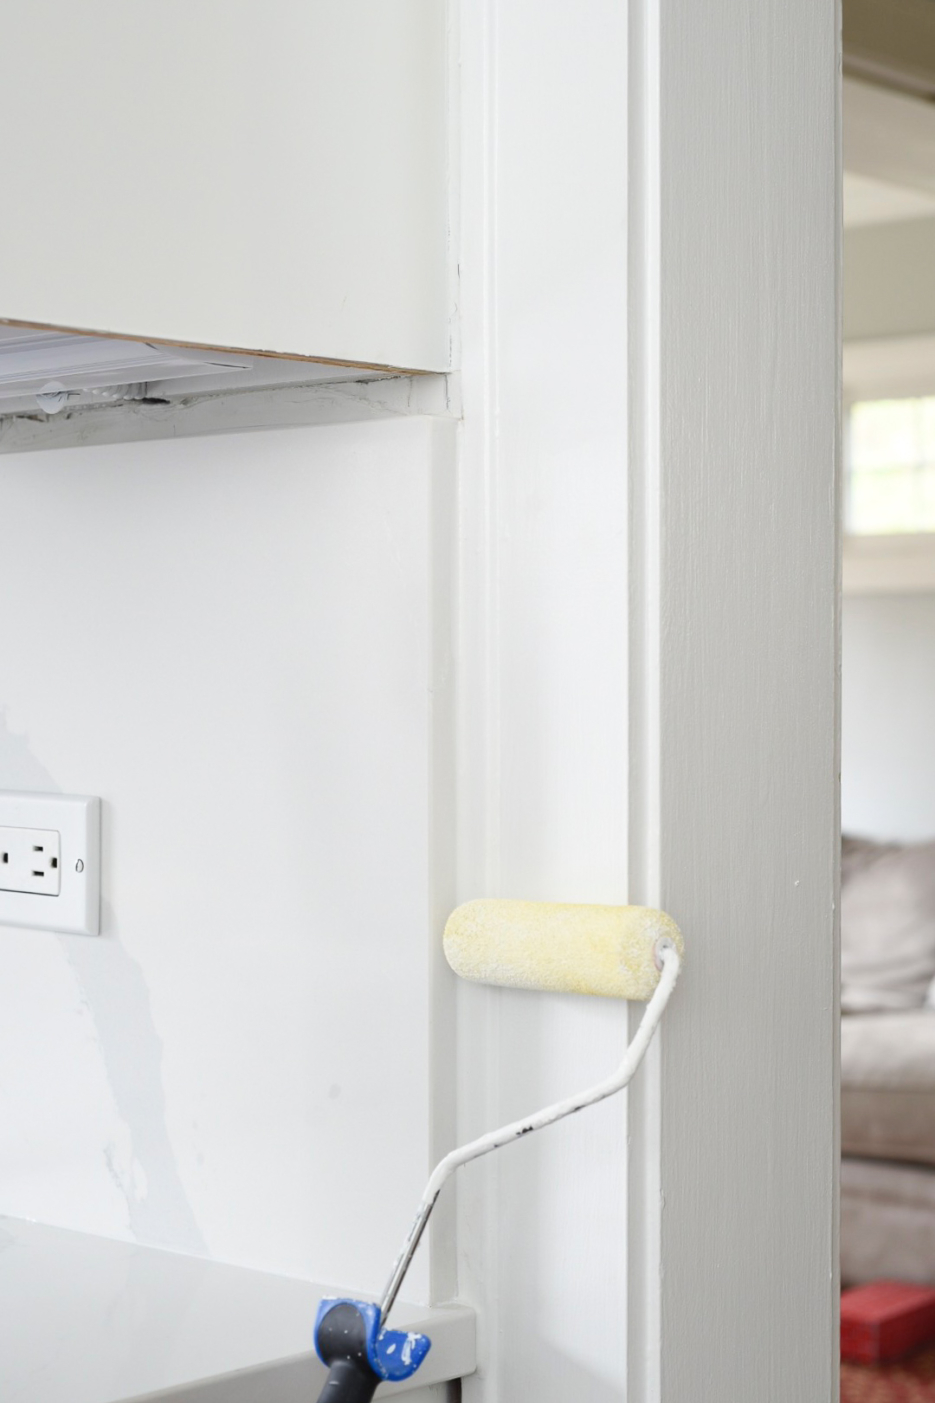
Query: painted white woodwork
pixel 647 683
pixel 888 365
pixel 735 755
pixel 542 777
pixel 96 1321
pixel 232 641
pixel 888 700
pixel 871 201
pixel 903 563
pixel 262 177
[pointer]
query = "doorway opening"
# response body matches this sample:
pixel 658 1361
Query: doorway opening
pixel 888 710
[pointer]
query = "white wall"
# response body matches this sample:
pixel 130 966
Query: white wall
pixel 229 640
pixel 888 722
pixel 889 280
pixel 889 141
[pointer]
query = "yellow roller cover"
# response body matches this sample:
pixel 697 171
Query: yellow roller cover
pixel 569 949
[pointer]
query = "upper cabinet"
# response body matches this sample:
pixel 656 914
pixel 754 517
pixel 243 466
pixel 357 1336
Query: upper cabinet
pixel 261 175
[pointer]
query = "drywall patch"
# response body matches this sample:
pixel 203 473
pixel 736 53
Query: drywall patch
pixel 112 990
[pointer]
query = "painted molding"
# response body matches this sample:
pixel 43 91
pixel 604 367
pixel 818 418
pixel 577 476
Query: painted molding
pixel 648 577
pixel 542 670
pixel 888 136
pixel 743 468
pixel 896 564
pixel 889 280
pixel 877 366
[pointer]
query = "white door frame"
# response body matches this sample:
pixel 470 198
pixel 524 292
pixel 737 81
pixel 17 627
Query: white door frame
pixel 648 695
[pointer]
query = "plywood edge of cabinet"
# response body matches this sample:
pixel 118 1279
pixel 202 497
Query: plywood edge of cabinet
pixel 218 349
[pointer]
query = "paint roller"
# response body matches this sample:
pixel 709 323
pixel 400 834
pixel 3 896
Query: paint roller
pixel 623 952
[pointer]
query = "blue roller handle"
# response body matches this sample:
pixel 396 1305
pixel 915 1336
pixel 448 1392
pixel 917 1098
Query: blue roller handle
pixel 359 1355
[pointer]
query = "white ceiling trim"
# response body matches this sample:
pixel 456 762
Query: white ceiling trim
pixel 870 201
pixel 888 137
pixel 889 365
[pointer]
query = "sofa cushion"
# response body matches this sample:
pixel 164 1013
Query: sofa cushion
pixel 887 924
pixel 888 1086
pixel 887 1222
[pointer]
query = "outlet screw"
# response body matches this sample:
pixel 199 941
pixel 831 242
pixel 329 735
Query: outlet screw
pixel 79 865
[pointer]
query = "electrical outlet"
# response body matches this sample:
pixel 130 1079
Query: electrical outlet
pixel 29 860
pixel 50 862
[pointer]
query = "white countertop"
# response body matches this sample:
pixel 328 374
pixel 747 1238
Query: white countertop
pixel 88 1320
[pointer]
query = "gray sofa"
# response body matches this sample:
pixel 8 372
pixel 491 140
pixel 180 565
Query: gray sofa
pixel 888 1062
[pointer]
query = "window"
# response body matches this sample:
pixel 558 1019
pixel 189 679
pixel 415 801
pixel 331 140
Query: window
pixel 890 456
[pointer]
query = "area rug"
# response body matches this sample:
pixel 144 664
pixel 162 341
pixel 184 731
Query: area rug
pixel 910 1380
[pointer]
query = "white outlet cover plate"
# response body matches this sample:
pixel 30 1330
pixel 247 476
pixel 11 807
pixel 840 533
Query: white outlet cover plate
pixel 77 819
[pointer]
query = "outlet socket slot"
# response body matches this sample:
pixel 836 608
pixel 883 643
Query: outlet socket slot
pixel 30 860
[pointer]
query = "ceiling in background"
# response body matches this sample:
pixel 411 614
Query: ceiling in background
pixel 891 42
pixel 870 201
pixel 889 113
pixel 889 154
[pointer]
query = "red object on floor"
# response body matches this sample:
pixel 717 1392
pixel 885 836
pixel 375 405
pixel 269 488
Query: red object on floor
pixel 885 1319
pixel 912 1380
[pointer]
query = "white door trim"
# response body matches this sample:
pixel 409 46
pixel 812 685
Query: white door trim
pixel 733 1242
pixel 647 694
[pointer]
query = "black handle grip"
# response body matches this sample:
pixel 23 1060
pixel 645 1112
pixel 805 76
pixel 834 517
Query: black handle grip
pixel 342 1344
pixel 348 1383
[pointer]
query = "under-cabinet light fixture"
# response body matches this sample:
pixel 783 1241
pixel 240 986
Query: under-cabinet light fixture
pixel 57 366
